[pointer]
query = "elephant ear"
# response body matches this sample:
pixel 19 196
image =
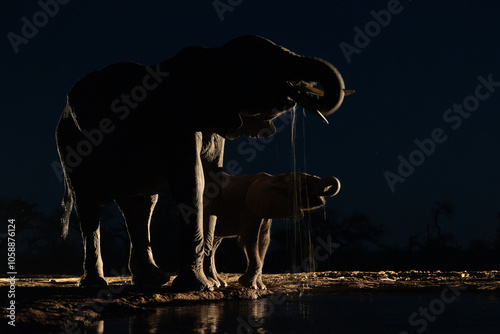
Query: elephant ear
pixel 270 197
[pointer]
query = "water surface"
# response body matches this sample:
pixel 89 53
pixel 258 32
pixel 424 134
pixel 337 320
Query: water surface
pixel 339 313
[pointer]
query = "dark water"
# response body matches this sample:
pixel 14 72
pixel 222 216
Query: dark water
pixel 431 313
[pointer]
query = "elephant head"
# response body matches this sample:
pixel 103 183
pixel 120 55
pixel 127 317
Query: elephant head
pixel 288 196
pixel 262 80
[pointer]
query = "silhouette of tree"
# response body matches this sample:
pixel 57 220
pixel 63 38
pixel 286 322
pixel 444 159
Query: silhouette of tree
pixel 20 210
pixel 28 217
pixel 414 241
pixel 38 239
pixel 497 241
pixel 441 208
pixel 358 229
pixel 354 231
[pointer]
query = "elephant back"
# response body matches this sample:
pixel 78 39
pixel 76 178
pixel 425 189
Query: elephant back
pixel 91 98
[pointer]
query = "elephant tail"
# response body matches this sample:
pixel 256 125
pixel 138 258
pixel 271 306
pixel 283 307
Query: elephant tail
pixel 67 203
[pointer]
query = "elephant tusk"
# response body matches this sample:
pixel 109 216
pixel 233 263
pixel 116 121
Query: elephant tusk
pixel 320 115
pixel 296 94
pixel 315 90
pixel 321 92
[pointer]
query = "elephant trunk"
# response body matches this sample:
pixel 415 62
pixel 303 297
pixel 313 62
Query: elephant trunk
pixel 330 186
pixel 316 70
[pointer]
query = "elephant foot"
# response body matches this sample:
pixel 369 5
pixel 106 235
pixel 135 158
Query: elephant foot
pixel 89 281
pixel 150 276
pixel 215 278
pixel 214 282
pixel 251 282
pixel 217 281
pixel 261 285
pixel 211 275
pixel 222 282
pixel 192 281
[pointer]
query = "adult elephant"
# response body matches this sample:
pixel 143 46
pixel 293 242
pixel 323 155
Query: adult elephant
pixel 130 130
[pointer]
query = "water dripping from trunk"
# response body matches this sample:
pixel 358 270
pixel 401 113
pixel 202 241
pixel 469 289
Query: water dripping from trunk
pixel 299 242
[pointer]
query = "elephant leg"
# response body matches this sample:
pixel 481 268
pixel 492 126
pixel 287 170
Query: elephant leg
pixel 248 240
pixel 209 261
pixel 137 211
pixel 93 273
pixel 264 240
pixel 211 271
pixel 187 186
pixel 219 277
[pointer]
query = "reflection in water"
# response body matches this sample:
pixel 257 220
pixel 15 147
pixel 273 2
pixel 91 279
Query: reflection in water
pixel 96 327
pixel 199 318
pixel 471 313
pixel 228 316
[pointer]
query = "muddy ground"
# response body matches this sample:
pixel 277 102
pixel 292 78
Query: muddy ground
pixel 46 301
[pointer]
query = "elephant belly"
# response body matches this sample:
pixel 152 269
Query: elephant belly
pixel 137 173
pixel 114 172
pixel 227 226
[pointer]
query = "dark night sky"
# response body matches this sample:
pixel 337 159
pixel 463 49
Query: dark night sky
pixel 425 60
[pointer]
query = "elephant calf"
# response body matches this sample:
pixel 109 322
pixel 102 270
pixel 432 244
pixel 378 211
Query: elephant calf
pixel 247 206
